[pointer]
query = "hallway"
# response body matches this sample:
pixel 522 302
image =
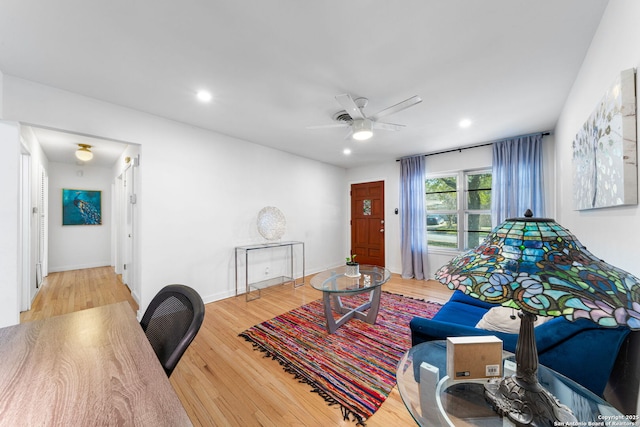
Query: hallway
pixel 68 291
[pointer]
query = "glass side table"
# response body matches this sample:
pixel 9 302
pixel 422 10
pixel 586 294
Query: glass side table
pixel 444 402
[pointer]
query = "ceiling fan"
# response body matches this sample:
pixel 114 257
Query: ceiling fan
pixel 361 126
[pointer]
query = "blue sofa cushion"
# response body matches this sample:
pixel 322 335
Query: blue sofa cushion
pixel 461 313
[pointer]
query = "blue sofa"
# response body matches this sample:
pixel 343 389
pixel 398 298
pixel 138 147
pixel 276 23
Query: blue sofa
pixel 580 350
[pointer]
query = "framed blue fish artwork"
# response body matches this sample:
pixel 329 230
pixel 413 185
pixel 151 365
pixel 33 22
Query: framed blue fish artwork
pixel 81 207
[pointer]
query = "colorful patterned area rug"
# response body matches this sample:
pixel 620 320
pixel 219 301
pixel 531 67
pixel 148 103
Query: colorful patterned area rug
pixel 354 367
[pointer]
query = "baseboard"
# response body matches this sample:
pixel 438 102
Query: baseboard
pixel 59 269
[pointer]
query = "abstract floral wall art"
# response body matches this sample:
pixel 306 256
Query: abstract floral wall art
pixel 605 150
pixel 81 207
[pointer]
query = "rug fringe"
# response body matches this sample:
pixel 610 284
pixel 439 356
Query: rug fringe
pixel 347 414
pixel 413 298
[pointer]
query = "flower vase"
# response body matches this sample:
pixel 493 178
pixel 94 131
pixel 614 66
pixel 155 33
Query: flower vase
pixel 352 270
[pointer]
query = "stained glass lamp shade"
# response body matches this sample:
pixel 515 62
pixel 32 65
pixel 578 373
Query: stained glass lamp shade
pixel 537 266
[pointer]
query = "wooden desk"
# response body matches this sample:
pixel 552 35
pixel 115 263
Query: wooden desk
pixel 93 367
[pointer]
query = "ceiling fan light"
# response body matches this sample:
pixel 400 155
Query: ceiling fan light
pixel 84 152
pixel 362 129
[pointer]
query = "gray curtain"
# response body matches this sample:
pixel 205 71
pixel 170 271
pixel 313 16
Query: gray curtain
pixel 413 228
pixel 517 178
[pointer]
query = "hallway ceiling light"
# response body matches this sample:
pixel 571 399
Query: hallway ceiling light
pixel 84 152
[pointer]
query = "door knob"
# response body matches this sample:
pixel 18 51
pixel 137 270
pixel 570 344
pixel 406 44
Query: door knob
pixel 382 230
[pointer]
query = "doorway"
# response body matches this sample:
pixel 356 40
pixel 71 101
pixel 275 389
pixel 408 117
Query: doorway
pixel 125 243
pixel 33 187
pixel 25 227
pixel 367 222
pixel 108 243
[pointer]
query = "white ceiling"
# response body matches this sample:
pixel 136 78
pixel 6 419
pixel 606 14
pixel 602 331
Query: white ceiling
pixel 275 67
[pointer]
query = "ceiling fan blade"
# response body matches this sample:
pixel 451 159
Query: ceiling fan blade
pixel 336 125
pixel 350 106
pixel 398 107
pixel 387 126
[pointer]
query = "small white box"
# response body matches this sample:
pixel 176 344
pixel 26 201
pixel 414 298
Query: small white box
pixel 474 357
pixel 429 378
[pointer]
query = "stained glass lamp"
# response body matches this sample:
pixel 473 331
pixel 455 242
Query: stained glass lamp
pixel 538 267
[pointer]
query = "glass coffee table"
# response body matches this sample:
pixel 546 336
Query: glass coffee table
pixel 436 400
pixel 334 284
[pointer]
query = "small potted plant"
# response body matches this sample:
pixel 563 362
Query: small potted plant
pixel 353 268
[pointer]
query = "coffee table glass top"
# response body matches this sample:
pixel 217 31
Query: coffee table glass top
pixel 444 402
pixel 334 280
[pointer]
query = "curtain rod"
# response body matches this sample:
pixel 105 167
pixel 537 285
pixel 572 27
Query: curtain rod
pixel 484 144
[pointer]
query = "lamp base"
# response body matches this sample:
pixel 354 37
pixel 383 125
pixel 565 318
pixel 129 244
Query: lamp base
pixel 526 404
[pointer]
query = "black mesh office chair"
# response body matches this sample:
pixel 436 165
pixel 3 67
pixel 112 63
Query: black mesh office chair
pixel 171 322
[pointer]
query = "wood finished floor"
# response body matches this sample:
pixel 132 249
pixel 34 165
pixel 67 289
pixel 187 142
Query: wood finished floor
pixel 221 380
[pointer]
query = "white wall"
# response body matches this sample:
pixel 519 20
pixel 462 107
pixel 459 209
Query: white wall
pixel 615 47
pixel 9 162
pixel 611 233
pixel 200 192
pixel 73 247
pixel 197 207
pixel 1 97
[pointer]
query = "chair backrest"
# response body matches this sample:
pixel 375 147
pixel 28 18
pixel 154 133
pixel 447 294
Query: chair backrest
pixel 171 322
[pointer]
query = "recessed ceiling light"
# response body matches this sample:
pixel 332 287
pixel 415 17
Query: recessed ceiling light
pixel 347 151
pixel 464 123
pixel 204 96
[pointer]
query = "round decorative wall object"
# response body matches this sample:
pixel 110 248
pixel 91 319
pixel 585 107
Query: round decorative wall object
pixel 271 223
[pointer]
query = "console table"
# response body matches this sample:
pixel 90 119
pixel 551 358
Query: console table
pixel 243 253
pixel 440 401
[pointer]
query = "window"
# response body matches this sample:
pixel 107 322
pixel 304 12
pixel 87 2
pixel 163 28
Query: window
pixel 442 211
pixel 458 209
